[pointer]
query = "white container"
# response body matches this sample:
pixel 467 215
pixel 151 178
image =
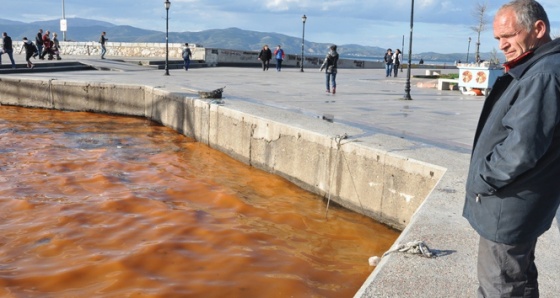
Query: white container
pixel 480 76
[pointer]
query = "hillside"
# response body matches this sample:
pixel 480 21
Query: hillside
pixel 231 38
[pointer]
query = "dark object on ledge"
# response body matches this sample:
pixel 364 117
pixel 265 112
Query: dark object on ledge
pixel 212 94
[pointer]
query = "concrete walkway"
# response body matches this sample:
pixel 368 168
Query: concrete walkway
pixel 436 127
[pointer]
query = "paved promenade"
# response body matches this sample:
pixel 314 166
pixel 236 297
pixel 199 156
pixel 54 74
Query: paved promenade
pixel 436 127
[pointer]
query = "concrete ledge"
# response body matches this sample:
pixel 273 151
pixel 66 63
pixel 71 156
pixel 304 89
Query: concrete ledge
pixel 433 72
pixel 444 84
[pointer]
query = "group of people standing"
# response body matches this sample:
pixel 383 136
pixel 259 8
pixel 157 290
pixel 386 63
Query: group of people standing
pixel 47 46
pixel 330 63
pixel 392 62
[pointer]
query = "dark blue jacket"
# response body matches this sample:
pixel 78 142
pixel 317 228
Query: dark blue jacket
pixel 7 44
pixel 515 163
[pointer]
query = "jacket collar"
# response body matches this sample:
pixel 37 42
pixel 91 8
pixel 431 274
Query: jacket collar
pixel 513 63
pixel 519 66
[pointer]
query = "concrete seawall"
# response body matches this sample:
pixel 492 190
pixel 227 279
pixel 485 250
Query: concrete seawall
pixel 382 185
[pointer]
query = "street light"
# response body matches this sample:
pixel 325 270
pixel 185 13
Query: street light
pixel 167 5
pixel 468 49
pixel 63 24
pixel 303 19
pixel 407 85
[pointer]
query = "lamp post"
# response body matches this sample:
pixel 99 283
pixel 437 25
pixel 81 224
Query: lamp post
pixel 63 23
pixel 303 19
pixel 468 49
pixel 407 85
pixel 167 5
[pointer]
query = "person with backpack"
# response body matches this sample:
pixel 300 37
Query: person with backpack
pixel 30 51
pixel 330 63
pixel 279 55
pixel 187 54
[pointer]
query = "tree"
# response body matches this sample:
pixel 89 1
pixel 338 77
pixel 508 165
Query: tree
pixel 494 57
pixel 479 13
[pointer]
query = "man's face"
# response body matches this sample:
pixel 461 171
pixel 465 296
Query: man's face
pixel 513 39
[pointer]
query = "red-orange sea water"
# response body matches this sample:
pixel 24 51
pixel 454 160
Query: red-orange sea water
pixel 96 205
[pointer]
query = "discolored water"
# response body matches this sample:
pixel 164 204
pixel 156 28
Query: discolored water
pixel 97 205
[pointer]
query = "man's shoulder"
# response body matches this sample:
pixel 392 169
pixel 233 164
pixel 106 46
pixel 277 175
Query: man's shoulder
pixel 546 64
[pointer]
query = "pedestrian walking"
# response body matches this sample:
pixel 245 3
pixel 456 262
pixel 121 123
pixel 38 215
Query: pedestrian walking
pixel 187 55
pixel 512 190
pixel 388 63
pixel 102 41
pixel 7 48
pixel 279 55
pixel 264 56
pixel 30 51
pixel 397 58
pixel 56 46
pixel 47 46
pixel 331 65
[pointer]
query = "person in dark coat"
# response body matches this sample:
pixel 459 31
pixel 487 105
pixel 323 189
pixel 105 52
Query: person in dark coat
pixel 187 55
pixel 7 48
pixel 512 190
pixel 39 43
pixel 103 41
pixel 331 64
pixel 264 56
pixel 388 58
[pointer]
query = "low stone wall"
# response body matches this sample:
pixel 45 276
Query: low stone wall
pixel 382 185
pixel 125 49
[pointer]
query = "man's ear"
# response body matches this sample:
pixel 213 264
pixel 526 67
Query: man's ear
pixel 540 29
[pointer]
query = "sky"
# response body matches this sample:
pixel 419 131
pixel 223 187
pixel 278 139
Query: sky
pixel 442 26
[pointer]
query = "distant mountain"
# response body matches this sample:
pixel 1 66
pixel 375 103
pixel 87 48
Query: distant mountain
pixel 8 22
pixel 231 38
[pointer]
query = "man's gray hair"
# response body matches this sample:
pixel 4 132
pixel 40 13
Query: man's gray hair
pixel 528 12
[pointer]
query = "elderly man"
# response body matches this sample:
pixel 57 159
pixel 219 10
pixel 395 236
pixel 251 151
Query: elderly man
pixel 512 190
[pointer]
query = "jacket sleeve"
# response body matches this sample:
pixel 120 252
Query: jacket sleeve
pixel 530 122
pixel 325 63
